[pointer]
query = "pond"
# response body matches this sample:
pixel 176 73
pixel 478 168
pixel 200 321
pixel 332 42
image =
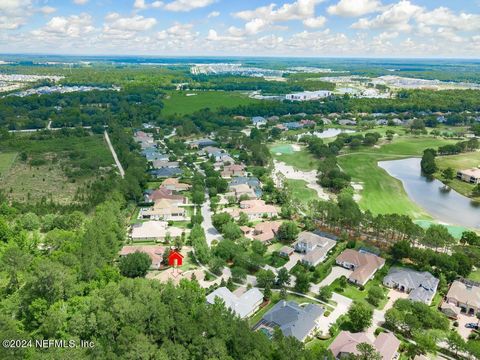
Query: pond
pixel 445 206
pixel 327 133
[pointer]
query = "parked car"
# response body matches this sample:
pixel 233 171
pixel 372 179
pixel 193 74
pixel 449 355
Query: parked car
pixel 472 326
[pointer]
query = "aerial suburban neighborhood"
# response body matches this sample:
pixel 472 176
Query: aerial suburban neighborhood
pixel 240 180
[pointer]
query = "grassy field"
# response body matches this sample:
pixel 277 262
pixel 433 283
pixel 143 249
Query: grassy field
pixel 475 275
pixel 383 194
pixel 459 162
pixel 177 102
pixel 301 160
pixel 6 161
pixel 63 166
pixel 300 191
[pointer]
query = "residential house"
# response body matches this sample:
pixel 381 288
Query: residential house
pixel 254 209
pixel 258 121
pixel 294 125
pixel 464 295
pixel 233 170
pixel 266 231
pixel 164 209
pixel 252 182
pixel 200 144
pixel 345 344
pixel 153 154
pixel 471 176
pixel 363 264
pixel 160 164
pixel 347 122
pixel 165 193
pixel 210 150
pixel 173 184
pixel 292 319
pixel 154 252
pixel 242 190
pixel 153 231
pixel 243 306
pixel 166 172
pixel 143 137
pixel 315 247
pixel 421 286
pixel 286 251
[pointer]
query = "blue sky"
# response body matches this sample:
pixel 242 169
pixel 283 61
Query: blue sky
pixel 371 28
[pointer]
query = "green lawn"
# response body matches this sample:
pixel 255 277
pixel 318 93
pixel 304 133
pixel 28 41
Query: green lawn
pixel 300 191
pixel 459 162
pixel 6 161
pixel 301 160
pixel 178 102
pixel 383 194
pixel 475 275
pixel 455 231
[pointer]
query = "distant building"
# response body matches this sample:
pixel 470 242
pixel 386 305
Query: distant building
pixel 153 231
pixel 308 95
pixel 243 306
pixel 364 265
pixel 292 319
pixel 421 286
pixel 471 176
pixel 258 121
pixel 200 144
pixel 346 122
pixel 254 209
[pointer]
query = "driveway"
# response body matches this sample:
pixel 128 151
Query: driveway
pixel 343 303
pixel 393 295
pixel 293 261
pixel 337 272
pixel 462 320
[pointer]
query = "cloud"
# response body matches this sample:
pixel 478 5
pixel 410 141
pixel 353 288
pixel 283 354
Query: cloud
pixel 178 31
pixel 395 17
pixel 213 36
pixel 317 22
pixel 213 14
pixel 443 16
pixel 14 13
pixel 118 27
pixel 80 2
pixel 187 5
pixel 74 26
pixel 298 10
pixel 47 10
pixel 141 5
pixel 354 8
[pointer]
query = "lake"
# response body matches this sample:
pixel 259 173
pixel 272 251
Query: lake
pixel 445 206
pixel 327 133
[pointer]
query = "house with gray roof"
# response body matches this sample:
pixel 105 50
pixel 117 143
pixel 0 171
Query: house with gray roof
pixel 292 319
pixel 243 306
pixel 314 247
pixel 421 286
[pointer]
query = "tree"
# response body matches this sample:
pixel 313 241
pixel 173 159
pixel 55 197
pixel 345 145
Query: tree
pixel 437 236
pixel 428 164
pixel 448 175
pixel 135 264
pixel 360 316
pixel 283 278
pixel 470 238
pixel 239 274
pixel 375 295
pixel 367 352
pixel 231 231
pixel 243 219
pixel 325 293
pixel 287 232
pixel 258 247
pixel 265 278
pixel 455 342
pixel 302 284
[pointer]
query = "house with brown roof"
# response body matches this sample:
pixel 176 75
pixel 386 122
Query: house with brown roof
pixel 265 231
pixel 363 264
pixel 471 176
pixel 163 193
pixel 154 252
pixel 233 170
pixel 465 295
pixel 242 190
pixel 314 247
pixel 174 184
pixel 254 209
pixel 345 344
